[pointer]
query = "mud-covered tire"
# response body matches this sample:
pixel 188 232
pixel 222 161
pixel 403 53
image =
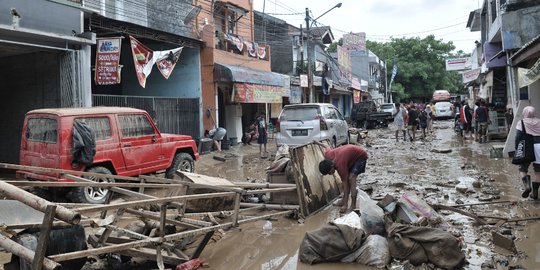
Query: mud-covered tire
pixel 93 195
pixel 183 162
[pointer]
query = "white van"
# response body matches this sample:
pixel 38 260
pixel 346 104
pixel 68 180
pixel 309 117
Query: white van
pixel 299 124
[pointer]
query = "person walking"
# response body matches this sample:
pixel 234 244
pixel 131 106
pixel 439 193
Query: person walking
pixel 399 115
pixel 431 117
pixel 423 121
pixel 412 124
pixel 468 115
pixel 532 126
pixel 475 123
pixel 509 116
pixel 349 161
pixel 482 117
pixel 262 134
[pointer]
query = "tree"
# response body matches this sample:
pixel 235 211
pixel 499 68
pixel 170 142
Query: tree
pixel 333 47
pixel 421 66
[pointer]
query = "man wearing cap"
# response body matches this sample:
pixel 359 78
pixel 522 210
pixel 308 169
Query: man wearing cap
pixel 349 161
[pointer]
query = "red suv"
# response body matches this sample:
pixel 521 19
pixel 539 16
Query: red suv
pixel 109 140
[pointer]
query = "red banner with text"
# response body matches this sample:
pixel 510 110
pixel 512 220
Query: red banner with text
pixel 143 58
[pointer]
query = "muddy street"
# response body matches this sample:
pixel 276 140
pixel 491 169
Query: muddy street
pixel 436 170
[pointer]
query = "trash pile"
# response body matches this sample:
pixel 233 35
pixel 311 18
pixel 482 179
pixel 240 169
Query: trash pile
pixel 405 229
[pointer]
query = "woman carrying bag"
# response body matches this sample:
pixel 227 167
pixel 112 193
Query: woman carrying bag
pixel 531 127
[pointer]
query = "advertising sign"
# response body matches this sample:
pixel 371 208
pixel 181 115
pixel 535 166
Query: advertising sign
pixel 107 61
pixel 457 64
pixel 356 96
pixel 470 75
pixel 257 93
pixel 355 41
pixel 304 80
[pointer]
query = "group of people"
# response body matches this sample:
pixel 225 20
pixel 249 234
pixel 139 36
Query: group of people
pixel 409 118
pixel 473 120
pixel 257 130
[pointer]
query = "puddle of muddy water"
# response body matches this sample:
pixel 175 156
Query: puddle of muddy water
pixel 251 248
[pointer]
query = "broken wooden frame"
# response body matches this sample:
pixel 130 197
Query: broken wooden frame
pixel 153 246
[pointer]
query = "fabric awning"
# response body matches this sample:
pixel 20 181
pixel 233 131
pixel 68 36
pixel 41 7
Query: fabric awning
pixel 239 74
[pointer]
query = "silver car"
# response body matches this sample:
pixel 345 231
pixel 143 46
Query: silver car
pixel 302 123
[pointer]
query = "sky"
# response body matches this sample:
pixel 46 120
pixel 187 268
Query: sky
pixel 382 19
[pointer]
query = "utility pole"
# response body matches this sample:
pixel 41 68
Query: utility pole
pixel 308 51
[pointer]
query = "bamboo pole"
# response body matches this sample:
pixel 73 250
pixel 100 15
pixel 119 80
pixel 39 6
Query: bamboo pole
pixel 25 253
pixel 38 203
pixel 154 240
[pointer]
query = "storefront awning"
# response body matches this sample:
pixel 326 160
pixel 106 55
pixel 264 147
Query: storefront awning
pixel 340 90
pixel 238 74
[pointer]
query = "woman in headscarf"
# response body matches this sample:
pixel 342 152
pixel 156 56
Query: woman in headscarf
pixel 532 126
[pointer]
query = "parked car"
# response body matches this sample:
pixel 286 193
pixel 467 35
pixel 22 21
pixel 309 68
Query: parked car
pixel 107 140
pixel 388 107
pixel 444 109
pixel 302 123
pixel 366 115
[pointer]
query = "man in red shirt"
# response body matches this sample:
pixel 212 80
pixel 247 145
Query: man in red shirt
pixel 349 161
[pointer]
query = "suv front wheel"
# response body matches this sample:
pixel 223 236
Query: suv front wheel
pixel 94 195
pixel 183 162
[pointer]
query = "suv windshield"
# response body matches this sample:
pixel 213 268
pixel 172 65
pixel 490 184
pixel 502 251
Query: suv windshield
pixel 300 113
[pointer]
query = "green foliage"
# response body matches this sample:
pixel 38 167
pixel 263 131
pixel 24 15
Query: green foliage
pixel 421 66
pixel 333 47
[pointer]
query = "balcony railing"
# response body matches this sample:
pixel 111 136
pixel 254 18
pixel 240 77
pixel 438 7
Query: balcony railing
pixel 236 44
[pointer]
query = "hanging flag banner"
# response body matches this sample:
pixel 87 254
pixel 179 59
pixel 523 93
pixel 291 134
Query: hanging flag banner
pixel 107 70
pixel 261 52
pixel 166 60
pixel 143 59
pixel 304 80
pixel 394 73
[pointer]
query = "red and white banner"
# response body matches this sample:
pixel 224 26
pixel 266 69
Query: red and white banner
pixel 166 60
pixel 107 70
pixel 143 58
pixel 356 96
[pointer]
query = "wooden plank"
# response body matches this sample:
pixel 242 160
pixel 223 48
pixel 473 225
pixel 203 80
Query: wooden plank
pixel 155 217
pixel 99 208
pixel 271 190
pixel 202 245
pixel 236 208
pixel 150 254
pixel 41 248
pixel 119 190
pixel 262 185
pixel 154 240
pixel 89 184
pixel 315 191
pixel 205 180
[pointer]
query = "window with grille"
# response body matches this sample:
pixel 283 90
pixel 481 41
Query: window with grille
pixel 135 125
pixel 42 130
pixel 101 126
